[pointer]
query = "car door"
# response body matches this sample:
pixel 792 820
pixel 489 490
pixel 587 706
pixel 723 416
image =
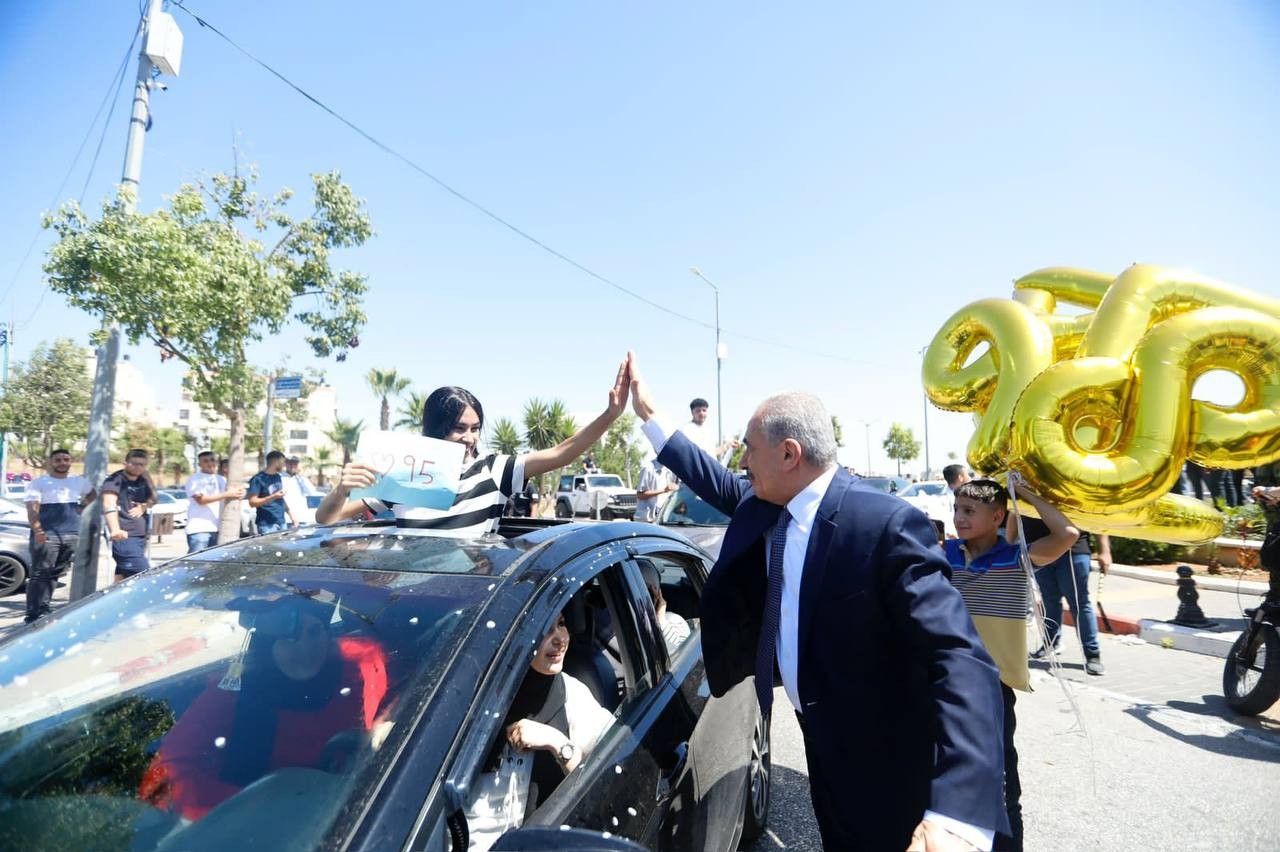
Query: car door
pixel 707 799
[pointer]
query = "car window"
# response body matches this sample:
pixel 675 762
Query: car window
pixel 675 602
pixel 184 705
pixel 605 481
pixel 685 507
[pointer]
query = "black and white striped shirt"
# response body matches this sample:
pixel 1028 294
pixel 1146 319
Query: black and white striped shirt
pixel 483 490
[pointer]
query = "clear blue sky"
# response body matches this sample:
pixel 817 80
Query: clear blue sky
pixel 849 177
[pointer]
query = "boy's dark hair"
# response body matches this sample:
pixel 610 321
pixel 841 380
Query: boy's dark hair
pixel 59 452
pixel 273 455
pixel 136 454
pixel 952 472
pixel 986 491
pixel 207 454
pixel 698 402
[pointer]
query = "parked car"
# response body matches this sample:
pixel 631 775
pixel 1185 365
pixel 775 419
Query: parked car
pixel 586 493
pixel 167 504
pixel 16 491
pixel 696 519
pixel 888 484
pixel 935 500
pixel 180 495
pixel 172 689
pixel 12 511
pixel 15 557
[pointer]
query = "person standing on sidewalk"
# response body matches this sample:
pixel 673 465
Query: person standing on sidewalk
pixel 126 496
pixel 654 482
pixel 207 490
pixel 297 488
pixel 54 503
pixel 266 494
pixel 1266 491
pixel 1068 576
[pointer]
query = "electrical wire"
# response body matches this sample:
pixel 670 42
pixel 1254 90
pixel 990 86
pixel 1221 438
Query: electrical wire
pixel 495 217
pixel 108 98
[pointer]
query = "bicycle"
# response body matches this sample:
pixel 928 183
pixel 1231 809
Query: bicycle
pixel 1251 678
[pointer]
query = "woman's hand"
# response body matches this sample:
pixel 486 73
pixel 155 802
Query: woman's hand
pixel 357 475
pixel 528 735
pixel 618 394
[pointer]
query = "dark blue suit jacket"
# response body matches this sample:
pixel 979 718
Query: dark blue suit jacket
pixel 901 702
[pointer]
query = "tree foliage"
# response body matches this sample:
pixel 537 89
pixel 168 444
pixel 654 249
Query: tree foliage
pixel 385 384
pixel 838 430
pixel 901 445
pixel 215 272
pixel 504 436
pixel 619 451
pixel 546 423
pixel 323 459
pixel 409 414
pixel 346 434
pixel 46 401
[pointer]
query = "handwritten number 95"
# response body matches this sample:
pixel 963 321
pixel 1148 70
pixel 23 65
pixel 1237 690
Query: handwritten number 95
pixel 419 472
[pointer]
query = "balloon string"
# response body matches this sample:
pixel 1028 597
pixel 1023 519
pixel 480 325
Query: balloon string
pixel 1042 629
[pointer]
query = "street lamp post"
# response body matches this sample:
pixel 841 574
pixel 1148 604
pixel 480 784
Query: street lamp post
pixel 719 356
pixel 927 468
pixel 868 424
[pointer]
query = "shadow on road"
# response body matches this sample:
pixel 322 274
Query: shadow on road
pixel 1227 740
pixel 791 821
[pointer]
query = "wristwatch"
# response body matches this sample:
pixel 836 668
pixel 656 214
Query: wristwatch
pixel 567 752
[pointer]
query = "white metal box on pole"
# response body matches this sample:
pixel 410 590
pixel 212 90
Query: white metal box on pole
pixel 164 44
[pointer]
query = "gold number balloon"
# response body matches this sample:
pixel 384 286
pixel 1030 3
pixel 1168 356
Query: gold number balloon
pixel 1095 409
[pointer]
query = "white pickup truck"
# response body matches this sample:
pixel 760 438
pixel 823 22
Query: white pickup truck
pixel 602 495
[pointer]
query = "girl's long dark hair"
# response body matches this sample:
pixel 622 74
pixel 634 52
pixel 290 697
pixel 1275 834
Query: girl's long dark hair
pixel 444 406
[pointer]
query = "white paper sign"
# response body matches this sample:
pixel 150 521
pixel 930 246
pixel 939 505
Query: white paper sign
pixel 412 470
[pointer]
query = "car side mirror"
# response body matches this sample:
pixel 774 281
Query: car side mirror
pixel 546 839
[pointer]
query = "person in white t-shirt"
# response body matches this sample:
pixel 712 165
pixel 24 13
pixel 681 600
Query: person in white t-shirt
pixel 654 482
pixel 297 488
pixel 699 430
pixel 54 502
pixel 206 491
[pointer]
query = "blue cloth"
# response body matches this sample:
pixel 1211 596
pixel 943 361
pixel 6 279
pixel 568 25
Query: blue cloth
pixel 130 555
pixel 1068 576
pixel 1002 555
pixel 767 652
pixel 200 541
pixel 901 704
pixel 265 484
pixel 268 529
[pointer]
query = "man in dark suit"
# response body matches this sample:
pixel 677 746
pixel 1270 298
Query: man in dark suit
pixel 898 701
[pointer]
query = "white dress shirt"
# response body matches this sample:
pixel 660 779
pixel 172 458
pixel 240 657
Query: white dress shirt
pixel 804 511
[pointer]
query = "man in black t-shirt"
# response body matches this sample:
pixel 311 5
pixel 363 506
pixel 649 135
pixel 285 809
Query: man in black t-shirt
pixel 126 496
pixel 1068 577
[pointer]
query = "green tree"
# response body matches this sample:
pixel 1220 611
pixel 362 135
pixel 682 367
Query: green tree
pixel 618 451
pixel 385 384
pixel 170 452
pixel 254 428
pixel 504 436
pixel 410 411
pixel 838 429
pixel 214 273
pixel 46 401
pixel 323 459
pixel 346 434
pixel 901 445
pixel 131 435
pixel 545 425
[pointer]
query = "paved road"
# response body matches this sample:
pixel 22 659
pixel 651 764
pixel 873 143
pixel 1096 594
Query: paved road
pixel 1162 763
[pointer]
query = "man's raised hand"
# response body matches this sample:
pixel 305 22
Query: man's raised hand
pixel 641 402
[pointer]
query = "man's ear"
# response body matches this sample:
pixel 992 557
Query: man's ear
pixel 792 452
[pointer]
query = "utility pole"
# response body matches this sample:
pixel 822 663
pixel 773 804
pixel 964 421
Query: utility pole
pixel 266 421
pixel 160 40
pixel 927 467
pixel 6 340
pixel 720 356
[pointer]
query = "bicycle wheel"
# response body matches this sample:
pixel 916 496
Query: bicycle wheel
pixel 1251 679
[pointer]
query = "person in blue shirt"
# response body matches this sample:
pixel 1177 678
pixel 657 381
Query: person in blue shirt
pixel 266 494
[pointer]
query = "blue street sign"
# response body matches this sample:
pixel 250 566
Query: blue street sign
pixel 287 387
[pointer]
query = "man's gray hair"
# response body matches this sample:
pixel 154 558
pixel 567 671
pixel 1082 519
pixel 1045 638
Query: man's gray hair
pixel 803 418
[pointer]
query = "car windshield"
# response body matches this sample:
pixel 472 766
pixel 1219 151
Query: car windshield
pixel 688 508
pixel 185 707
pixel 604 481
pixel 164 497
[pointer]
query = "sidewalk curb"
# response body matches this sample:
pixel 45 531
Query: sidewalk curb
pixel 1212 584
pixel 1121 625
pixel 1188 638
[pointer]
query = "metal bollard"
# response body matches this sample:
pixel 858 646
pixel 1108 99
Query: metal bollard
pixel 1189 612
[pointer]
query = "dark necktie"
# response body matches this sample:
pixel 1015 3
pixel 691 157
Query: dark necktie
pixel 767 651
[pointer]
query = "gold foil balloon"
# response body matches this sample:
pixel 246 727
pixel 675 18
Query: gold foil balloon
pixel 1102 417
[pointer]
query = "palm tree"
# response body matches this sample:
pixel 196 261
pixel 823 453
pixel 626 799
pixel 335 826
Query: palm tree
pixel 323 457
pixel 386 384
pixel 504 436
pixel 545 425
pixel 410 411
pixel 346 434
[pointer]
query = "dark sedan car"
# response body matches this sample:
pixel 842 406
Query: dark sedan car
pixel 342 688
pixel 696 519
